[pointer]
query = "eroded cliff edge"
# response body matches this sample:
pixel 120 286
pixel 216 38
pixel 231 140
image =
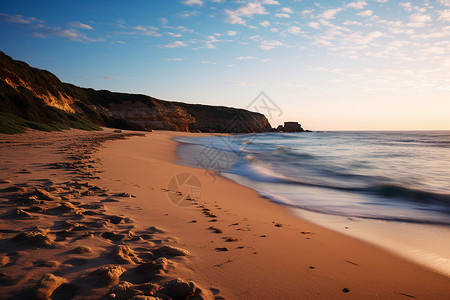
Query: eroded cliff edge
pixel 38 98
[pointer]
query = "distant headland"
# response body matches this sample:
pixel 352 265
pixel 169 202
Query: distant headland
pixel 34 98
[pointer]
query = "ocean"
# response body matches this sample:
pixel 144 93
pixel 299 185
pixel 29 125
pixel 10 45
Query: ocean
pixel 400 180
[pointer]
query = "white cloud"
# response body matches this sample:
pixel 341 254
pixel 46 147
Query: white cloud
pixel 233 18
pixel 444 2
pixel 106 77
pixel 141 30
pixel 294 30
pixel 187 13
pixel 330 13
pixel 444 15
pixel 174 59
pixel 264 23
pixel 420 18
pixel 416 24
pixel 287 10
pixel 369 37
pixel 366 13
pixel 406 6
pixel 174 34
pixel 267 45
pixel 42 31
pixel 210 42
pixel 236 16
pixel 357 5
pixel 322 42
pixel 435 50
pixel 80 25
pixel 282 16
pixel 175 44
pixel 348 22
pixel 193 2
pixel 274 29
pixel 314 25
pixel 17 19
pixel 231 33
pixel 244 57
pixel 207 62
pixel 271 2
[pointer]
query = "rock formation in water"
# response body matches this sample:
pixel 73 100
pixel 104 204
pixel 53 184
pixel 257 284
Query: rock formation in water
pixel 290 127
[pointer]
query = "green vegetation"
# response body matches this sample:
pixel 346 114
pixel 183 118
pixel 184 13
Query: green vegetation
pixel 11 124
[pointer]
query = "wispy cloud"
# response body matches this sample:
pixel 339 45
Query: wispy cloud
pixel 294 30
pixel 138 30
pixel 330 13
pixel 268 45
pixel 271 2
pixel 175 44
pixel 193 2
pixel 174 59
pixel 357 5
pixel 264 23
pixel 106 77
pixel 237 16
pixel 18 19
pixel 177 35
pixel 282 15
pixel 314 25
pixel 40 30
pixel 244 57
pixel 287 10
pixel 189 13
pixel 80 25
pixel 366 13
pixel 444 15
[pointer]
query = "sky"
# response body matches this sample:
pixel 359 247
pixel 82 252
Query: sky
pixel 330 65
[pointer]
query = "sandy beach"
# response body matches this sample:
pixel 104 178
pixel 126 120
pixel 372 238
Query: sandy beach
pixel 92 215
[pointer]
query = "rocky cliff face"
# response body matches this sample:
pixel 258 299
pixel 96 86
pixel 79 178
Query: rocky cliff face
pixel 39 96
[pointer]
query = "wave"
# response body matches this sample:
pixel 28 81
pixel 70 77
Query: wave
pixel 256 170
pixel 345 174
pixel 292 152
pixel 412 220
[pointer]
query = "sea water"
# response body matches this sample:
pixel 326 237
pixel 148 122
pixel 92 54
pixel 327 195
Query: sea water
pixel 389 188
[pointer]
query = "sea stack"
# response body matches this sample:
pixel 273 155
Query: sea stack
pixel 290 127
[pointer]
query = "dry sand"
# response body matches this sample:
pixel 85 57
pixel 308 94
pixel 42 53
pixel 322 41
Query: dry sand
pixel 86 217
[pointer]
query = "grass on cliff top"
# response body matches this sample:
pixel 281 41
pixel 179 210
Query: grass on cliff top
pixel 11 124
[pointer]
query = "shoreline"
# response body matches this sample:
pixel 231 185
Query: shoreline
pixel 270 252
pixel 425 244
pixel 314 246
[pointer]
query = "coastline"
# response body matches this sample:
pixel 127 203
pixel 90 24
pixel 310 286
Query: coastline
pixel 271 253
pixel 281 265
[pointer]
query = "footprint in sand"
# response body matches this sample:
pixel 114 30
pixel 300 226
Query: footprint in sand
pixel 221 249
pixel 230 239
pixel 215 229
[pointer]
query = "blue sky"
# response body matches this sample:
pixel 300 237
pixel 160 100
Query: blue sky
pixel 373 64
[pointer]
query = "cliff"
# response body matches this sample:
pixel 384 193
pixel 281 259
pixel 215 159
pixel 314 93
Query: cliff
pixel 36 98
